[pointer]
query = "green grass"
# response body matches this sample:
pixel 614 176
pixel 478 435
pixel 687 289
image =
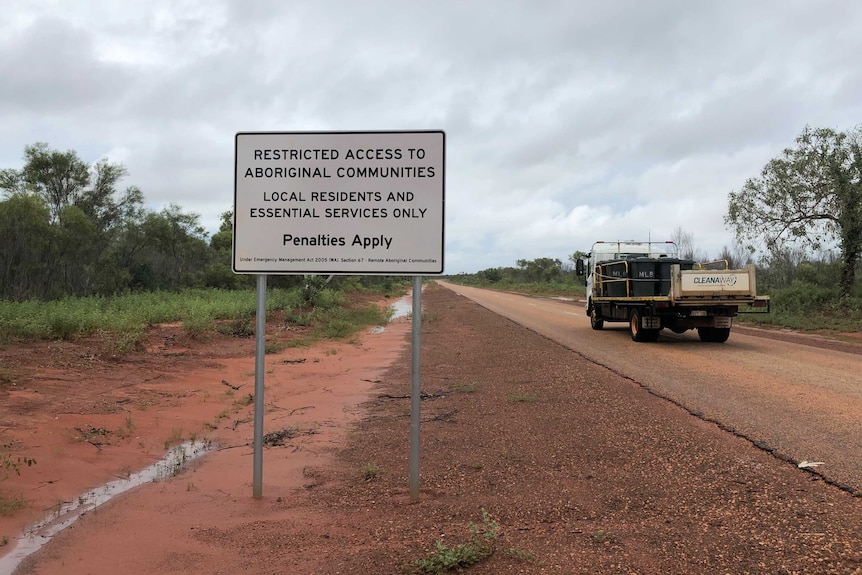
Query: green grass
pixel 9 505
pixel 461 387
pixel 196 309
pixel 121 322
pixel 805 306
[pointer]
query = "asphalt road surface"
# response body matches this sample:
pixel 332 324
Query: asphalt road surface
pixel 799 399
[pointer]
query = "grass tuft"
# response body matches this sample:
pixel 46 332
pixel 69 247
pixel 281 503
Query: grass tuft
pixel 370 472
pixel 482 544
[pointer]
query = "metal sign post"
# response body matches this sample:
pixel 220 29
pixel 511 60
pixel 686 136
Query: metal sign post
pixel 259 370
pixel 415 388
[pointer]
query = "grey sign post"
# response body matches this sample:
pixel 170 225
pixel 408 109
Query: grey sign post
pixel 349 203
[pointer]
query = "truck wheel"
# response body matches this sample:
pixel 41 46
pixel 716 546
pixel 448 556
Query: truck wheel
pixel 713 334
pixel 638 332
pixel 596 322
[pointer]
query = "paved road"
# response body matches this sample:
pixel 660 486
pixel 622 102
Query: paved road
pixel 802 401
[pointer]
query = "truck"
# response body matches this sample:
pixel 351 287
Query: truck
pixel 649 286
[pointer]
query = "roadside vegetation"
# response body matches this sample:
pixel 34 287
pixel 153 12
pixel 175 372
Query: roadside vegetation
pixel 327 309
pixel 804 290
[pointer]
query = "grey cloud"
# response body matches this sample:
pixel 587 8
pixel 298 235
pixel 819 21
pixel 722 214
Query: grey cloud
pixel 51 67
pixel 580 118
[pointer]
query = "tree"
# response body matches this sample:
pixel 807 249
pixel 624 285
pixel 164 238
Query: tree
pixel 25 239
pixel 809 196
pixel 685 244
pixel 577 256
pixel 99 202
pixel 175 252
pixel 493 275
pixel 541 269
pixel 58 177
pixel 222 240
pixel 736 257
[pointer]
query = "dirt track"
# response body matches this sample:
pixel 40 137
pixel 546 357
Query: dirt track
pixel 584 471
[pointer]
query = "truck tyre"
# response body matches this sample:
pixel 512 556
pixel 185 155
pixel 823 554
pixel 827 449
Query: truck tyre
pixel 713 334
pixel 596 322
pixel 638 332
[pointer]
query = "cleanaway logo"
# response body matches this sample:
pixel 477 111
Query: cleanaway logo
pixel 722 280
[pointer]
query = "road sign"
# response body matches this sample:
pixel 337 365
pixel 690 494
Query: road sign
pixel 339 203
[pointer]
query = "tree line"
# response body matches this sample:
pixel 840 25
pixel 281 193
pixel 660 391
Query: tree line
pixel 68 229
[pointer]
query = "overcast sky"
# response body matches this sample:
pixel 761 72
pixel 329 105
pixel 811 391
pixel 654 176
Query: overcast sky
pixel 566 121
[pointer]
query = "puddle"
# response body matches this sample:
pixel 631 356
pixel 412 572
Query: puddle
pixel 64 515
pixel 402 307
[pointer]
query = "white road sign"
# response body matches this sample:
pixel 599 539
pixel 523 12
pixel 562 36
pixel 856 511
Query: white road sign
pixel 339 203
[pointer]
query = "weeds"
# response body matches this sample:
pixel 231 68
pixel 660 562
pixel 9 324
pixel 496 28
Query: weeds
pixel 125 431
pixel 482 545
pixel 243 401
pixel 11 464
pixel 460 387
pixel 176 436
pixel 9 505
pixel 6 376
pixel 240 327
pixel 273 346
pixel 196 326
pixel 370 472
pixel 525 556
pixel 118 343
pixel 601 536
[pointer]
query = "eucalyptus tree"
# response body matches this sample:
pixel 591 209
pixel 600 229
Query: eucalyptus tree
pixel 810 196
pixel 541 269
pixel 58 177
pixel 25 239
pixel 66 228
